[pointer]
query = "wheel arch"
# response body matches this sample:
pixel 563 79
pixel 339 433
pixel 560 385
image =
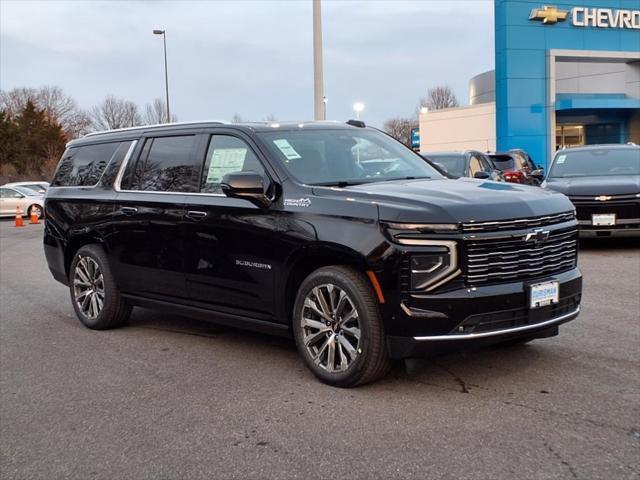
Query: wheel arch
pixel 309 259
pixel 75 243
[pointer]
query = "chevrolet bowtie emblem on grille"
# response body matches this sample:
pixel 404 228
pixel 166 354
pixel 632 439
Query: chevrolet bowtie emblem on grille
pixel 603 198
pixel 537 236
pixel 548 15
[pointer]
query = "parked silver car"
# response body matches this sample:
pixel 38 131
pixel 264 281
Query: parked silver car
pixel 12 197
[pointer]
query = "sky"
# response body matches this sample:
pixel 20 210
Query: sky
pixel 252 58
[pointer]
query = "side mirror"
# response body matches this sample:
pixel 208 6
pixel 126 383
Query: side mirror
pixel 247 185
pixel 482 175
pixel 538 173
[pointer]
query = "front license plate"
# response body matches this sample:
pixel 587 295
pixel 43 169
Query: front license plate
pixel 603 219
pixel 544 294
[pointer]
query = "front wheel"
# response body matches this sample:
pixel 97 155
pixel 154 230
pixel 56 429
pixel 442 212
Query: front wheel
pixel 338 328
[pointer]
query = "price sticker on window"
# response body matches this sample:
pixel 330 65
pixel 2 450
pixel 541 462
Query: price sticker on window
pixel 224 161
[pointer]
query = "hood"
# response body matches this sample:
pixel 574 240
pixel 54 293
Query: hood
pixel 453 201
pixel 601 185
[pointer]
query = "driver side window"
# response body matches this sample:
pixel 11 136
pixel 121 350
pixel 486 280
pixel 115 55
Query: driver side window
pixel 227 154
pixel 8 193
pixel 474 166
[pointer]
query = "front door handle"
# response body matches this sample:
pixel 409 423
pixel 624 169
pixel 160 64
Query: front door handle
pixel 195 215
pixel 129 210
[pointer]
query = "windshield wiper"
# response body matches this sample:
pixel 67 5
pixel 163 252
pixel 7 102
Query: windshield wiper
pixel 340 184
pixel 402 178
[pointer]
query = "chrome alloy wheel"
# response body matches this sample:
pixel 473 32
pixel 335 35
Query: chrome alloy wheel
pixel 330 328
pixel 88 287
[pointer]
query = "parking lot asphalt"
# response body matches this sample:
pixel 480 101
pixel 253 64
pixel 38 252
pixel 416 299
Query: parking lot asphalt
pixel 173 398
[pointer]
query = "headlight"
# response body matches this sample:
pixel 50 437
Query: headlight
pixel 435 265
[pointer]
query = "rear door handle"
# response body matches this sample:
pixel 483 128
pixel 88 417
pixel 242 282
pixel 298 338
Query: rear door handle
pixel 195 215
pixel 129 210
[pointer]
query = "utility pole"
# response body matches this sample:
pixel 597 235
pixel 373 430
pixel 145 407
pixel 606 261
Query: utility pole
pixel 318 88
pixel 166 70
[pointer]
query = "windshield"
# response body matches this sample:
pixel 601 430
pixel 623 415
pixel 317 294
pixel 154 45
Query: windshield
pixel 596 162
pixel 27 191
pixel 454 164
pixel 345 156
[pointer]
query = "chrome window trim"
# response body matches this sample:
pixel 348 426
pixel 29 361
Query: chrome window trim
pixel 506 331
pixel 125 162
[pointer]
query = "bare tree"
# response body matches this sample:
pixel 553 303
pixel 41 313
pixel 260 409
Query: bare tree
pixel 236 118
pixel 58 107
pixel 271 118
pixel 400 129
pixel 115 113
pixel 156 112
pixel 438 98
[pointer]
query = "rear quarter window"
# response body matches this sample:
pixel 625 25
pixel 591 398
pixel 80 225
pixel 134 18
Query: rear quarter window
pixel 83 166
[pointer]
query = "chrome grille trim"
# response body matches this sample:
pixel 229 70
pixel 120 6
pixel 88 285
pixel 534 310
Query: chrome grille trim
pixel 517 223
pixel 494 260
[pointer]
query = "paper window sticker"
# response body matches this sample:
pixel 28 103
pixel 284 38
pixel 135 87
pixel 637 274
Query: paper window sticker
pixel 224 161
pixel 561 159
pixel 287 150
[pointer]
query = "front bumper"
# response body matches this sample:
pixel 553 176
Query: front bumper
pixel 629 229
pixel 481 316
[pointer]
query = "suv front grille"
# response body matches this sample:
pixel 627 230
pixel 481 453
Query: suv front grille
pixel 502 259
pixel 623 206
pixel 517 223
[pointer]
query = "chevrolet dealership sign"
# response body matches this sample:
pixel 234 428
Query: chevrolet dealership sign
pixel 588 17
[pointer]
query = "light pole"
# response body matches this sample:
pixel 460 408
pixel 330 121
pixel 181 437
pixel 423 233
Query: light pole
pixel 325 100
pixel 166 70
pixel 358 107
pixel 318 88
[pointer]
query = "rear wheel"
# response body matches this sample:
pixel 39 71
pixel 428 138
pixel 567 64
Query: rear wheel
pixel 94 294
pixel 338 329
pixel 35 208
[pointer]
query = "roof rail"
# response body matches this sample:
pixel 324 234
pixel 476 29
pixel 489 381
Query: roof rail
pixel 158 125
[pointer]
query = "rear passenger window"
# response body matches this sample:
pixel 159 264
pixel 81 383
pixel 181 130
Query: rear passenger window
pixel 166 164
pixel 227 154
pixel 83 166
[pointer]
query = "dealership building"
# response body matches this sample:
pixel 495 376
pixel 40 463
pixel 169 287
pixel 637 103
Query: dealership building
pixel 565 74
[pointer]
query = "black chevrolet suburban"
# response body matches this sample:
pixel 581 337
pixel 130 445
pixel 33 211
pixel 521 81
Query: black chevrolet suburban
pixel 334 234
pixel 603 183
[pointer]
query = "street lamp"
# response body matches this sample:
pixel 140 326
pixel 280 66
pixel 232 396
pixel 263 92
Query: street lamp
pixel 358 107
pixel 166 70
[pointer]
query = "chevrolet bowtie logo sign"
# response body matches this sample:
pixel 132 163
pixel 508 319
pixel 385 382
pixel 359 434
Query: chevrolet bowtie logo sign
pixel 538 236
pixel 548 15
pixel 603 198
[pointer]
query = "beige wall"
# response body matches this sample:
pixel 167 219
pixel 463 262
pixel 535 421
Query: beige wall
pixel 462 128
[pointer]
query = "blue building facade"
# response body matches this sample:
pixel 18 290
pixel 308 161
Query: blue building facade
pixel 566 73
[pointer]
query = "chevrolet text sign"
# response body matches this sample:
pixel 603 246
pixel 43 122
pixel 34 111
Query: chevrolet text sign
pixel 588 17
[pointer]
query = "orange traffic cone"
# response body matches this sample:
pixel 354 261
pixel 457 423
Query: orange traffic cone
pixel 35 218
pixel 19 222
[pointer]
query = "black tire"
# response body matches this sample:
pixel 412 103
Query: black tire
pixel 35 206
pixel 366 363
pixel 114 310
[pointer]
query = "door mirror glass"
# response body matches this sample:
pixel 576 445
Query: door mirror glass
pixel 482 175
pixel 247 185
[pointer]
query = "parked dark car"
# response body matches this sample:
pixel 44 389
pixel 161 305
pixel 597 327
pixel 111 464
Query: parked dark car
pixel 603 182
pixel 517 167
pixel 469 163
pixel 332 233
